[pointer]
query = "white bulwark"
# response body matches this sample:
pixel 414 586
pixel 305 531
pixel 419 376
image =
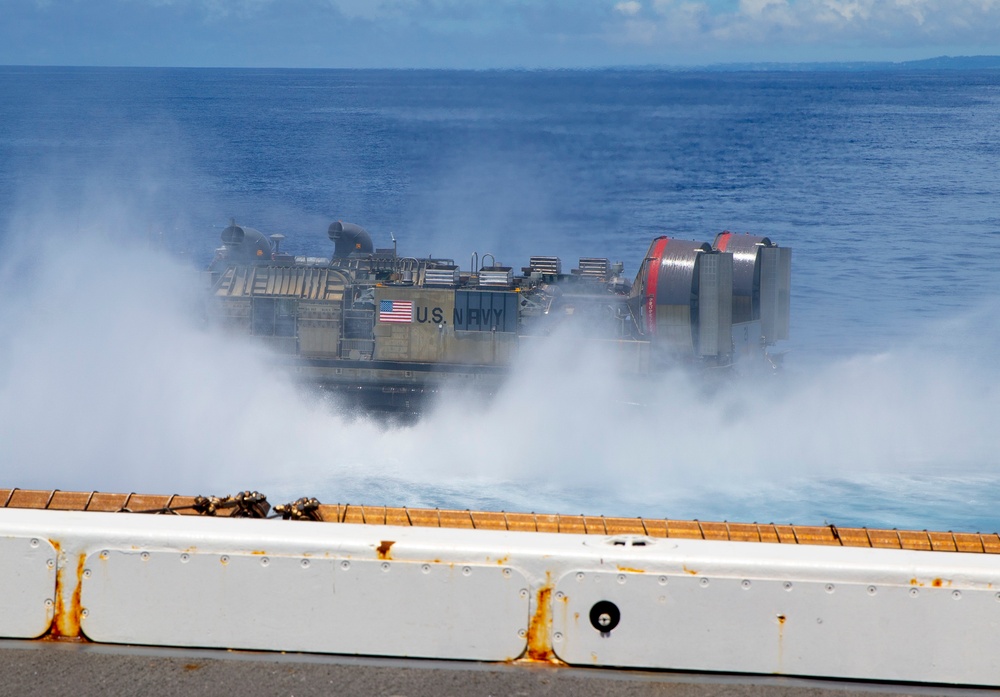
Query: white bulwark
pixel 487 595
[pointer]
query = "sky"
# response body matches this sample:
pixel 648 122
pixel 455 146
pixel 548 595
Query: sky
pixel 483 34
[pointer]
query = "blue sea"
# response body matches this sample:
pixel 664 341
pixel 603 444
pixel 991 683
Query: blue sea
pixel 116 183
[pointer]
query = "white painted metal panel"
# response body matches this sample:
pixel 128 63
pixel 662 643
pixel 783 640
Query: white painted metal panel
pixel 891 615
pixel 848 630
pixel 27 586
pixel 305 603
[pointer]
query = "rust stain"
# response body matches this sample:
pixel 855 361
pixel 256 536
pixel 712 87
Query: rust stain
pixel 384 548
pixel 936 583
pixel 192 666
pixel 690 571
pixel 629 568
pixel 52 636
pixel 66 620
pixel 781 644
pixel 258 552
pixel 540 628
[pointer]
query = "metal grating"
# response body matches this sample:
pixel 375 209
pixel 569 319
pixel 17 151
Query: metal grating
pixel 594 267
pixel 442 277
pixel 550 266
pixel 496 277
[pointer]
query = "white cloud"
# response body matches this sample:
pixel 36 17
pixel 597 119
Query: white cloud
pixel 758 7
pixel 629 8
pixel 850 10
pixel 375 9
pixel 699 24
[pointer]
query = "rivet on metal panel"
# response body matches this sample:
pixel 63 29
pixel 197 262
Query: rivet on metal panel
pixel 522 633
pixel 34 542
pixel 264 561
pixel 185 558
pixel 304 563
pixel 86 573
pixel 579 576
pixel 104 554
pixel 662 580
pixel 872 590
pixel 829 588
pixel 224 559
pixel 506 572
pixel 466 570
pixel 426 568
pixel 704 583
pixel 84 612
pixel 787 585
pixel 956 595
pixel 145 556
pixel 560 596
pixel 782 619
pixel 914 592
pixel 524 593
pixel 385 566
pixel 558 636
pixel 621 578
pixel 745 584
pixel 50 563
pixel 345 565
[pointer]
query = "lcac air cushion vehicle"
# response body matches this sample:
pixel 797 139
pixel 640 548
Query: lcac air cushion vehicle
pixel 390 330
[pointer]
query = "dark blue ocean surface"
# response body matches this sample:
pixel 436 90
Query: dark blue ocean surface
pixel 884 184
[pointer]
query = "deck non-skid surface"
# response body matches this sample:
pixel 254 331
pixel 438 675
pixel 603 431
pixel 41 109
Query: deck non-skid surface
pixel 82 670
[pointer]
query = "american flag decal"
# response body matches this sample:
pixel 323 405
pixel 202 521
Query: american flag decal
pixel 395 311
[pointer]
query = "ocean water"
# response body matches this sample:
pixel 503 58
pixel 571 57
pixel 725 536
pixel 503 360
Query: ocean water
pixel 115 185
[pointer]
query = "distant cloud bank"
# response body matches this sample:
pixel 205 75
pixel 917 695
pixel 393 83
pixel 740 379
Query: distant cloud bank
pixel 489 33
pixel 801 22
